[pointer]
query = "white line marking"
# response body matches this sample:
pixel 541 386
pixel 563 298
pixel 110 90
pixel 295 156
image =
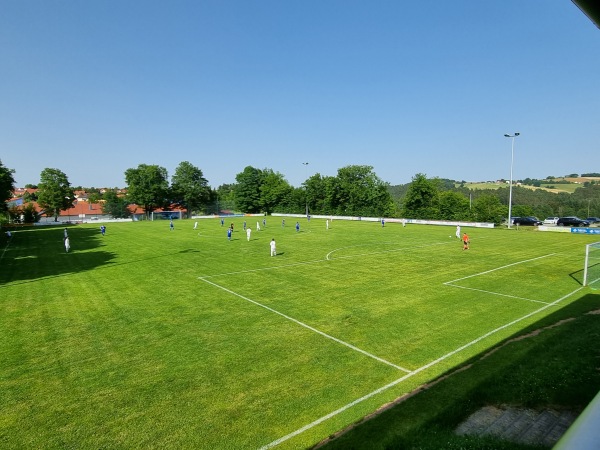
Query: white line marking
pixel 499 268
pixel 414 372
pixel 308 327
pixel 4 251
pixel 496 293
pixel 451 283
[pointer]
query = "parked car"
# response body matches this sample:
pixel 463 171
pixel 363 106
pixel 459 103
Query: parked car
pixel 530 220
pixel 593 220
pixel 572 221
pixel 550 220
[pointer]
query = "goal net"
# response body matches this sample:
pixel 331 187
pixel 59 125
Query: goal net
pixel 591 271
pixel 165 215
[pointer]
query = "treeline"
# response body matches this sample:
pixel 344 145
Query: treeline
pixel 439 199
pixel 354 191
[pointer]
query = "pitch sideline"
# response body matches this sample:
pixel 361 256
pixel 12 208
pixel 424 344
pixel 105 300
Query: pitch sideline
pixel 409 375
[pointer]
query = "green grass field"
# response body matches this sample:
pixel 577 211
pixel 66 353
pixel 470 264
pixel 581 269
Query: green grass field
pixel 184 339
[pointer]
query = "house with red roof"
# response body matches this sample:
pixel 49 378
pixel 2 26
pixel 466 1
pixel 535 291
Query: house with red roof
pixel 84 211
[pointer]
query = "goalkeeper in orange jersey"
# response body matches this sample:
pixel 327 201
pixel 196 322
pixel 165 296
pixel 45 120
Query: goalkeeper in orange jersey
pixel 465 239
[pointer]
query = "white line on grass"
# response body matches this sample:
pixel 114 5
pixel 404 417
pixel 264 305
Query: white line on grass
pixel 4 251
pixel 409 375
pixel 370 355
pixel 499 268
pixel 496 293
pixel 451 283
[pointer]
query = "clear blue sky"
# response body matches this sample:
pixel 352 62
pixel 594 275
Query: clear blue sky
pixel 96 87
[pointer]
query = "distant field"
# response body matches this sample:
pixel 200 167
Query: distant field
pixel 184 339
pixel 553 187
pixel 570 188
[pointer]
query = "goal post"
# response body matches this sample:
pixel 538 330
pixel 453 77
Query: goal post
pixel 165 215
pixel 591 268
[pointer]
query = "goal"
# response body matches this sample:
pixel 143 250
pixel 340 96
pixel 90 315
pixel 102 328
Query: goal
pixel 165 215
pixel 591 269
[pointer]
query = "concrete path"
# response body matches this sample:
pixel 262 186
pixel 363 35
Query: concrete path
pixel 520 425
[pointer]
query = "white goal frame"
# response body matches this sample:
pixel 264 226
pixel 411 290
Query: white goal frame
pixel 162 214
pixel 587 263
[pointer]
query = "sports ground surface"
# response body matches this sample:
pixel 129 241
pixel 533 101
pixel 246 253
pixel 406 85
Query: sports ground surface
pixel 148 337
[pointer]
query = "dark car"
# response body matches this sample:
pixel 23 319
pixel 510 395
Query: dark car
pixel 593 219
pixel 530 220
pixel 572 222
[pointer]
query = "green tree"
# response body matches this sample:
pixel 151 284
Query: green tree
pixel 487 208
pixel 94 197
pixel 189 188
pixel 294 202
pixel 55 193
pixel 14 213
pixel 30 215
pixel 362 192
pixel 222 198
pixel 453 206
pixel 115 206
pixel 247 190
pixel 422 198
pixel 320 195
pixel 521 211
pixel 30 197
pixel 148 186
pixel 274 190
pixel 7 185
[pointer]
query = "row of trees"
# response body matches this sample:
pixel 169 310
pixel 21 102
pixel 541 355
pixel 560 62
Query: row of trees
pixel 440 199
pixel 148 186
pixel 435 199
pixel 355 190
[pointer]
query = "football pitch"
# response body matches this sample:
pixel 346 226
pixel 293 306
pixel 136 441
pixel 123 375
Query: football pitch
pixel 147 337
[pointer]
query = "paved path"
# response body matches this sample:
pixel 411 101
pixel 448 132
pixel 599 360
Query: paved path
pixel 520 425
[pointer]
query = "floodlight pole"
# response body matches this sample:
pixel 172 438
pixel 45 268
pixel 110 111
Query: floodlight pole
pixel 512 159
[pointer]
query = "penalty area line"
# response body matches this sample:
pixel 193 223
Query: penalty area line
pixel 499 268
pixel 496 293
pixel 302 324
pixel 411 374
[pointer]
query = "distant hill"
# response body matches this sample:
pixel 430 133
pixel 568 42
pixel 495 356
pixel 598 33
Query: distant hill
pixel 555 185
